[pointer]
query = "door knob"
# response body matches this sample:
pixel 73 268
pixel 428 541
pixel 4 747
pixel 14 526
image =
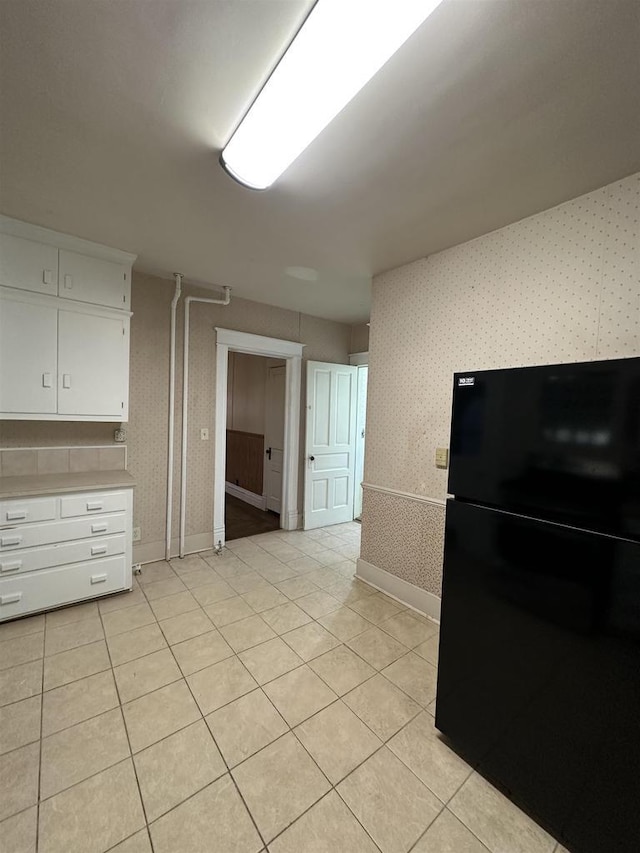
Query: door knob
pixel 268 452
pixel 312 459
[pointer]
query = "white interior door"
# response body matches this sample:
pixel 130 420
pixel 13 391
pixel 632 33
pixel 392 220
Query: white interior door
pixel 274 436
pixel 330 444
pixel 361 421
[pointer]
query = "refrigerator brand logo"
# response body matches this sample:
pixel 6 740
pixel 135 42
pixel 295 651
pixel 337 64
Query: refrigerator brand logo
pixel 466 380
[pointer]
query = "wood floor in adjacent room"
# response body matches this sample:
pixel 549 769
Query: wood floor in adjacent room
pixel 242 519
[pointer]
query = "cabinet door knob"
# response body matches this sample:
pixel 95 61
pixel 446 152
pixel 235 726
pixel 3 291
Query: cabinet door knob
pixel 66 380
pixel 68 282
pixel 46 380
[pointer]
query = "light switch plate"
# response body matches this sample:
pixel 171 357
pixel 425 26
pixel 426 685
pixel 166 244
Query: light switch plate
pixel 442 457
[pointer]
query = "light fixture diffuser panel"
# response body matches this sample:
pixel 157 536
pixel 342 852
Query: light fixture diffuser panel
pixel 339 48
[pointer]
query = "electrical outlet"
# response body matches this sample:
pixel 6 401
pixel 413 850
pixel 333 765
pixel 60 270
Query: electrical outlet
pixel 204 434
pixel 137 534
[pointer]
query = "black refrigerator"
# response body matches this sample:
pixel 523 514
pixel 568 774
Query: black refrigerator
pixel 539 667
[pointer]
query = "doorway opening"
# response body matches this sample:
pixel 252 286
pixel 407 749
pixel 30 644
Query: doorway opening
pixel 254 444
pixel 289 354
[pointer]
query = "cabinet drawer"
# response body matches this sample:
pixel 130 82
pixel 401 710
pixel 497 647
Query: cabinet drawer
pixel 27 510
pixel 58 555
pixel 92 504
pixel 35 591
pixel 31 535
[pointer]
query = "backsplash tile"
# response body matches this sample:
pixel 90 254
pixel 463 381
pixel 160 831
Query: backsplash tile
pixel 15 463
pixel 112 458
pixel 84 459
pixel 60 460
pixel 53 460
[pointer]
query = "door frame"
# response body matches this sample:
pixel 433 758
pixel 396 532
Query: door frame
pixel 265 470
pixel 228 340
pixel 360 441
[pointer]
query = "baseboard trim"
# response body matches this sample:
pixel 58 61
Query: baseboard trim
pixel 407 593
pixel 290 521
pixel 259 501
pixel 151 552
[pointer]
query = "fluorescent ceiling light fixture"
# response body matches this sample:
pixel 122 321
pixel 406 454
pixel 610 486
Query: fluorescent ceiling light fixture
pixel 338 49
pixel 302 273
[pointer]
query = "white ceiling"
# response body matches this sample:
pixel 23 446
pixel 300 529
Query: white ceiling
pixel 113 115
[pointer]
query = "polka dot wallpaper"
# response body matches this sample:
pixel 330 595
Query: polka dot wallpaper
pixel 560 286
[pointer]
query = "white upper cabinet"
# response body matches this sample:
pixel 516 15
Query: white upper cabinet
pixel 94 280
pixel 28 357
pixel 93 357
pixel 64 326
pixel 27 265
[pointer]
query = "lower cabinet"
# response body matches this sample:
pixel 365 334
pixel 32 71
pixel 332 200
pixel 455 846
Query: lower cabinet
pixel 71 558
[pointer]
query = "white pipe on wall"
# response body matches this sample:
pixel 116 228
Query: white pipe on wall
pixel 172 398
pixel 185 404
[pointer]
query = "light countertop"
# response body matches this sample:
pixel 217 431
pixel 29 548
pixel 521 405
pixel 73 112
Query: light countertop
pixel 34 485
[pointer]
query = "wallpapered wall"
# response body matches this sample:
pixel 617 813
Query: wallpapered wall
pixel 246 383
pixel 560 286
pixel 147 430
pixel 359 338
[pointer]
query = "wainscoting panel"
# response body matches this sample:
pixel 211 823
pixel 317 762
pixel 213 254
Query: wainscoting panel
pixel 404 535
pixel 245 460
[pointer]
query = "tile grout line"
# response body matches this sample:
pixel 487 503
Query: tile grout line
pixel 203 717
pixel 270 584
pixel 126 730
pixel 44 640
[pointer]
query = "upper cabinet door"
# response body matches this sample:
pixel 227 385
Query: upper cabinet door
pixel 94 280
pixel 27 265
pixel 28 357
pixel 93 365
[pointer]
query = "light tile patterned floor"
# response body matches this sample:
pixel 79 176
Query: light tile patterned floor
pixel 262 700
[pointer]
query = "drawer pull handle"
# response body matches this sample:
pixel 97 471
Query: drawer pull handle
pixel 14 566
pixel 12 598
pixel 92 506
pixel 99 528
pixel 16 514
pixel 98 549
pixel 98 578
pixel 10 540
